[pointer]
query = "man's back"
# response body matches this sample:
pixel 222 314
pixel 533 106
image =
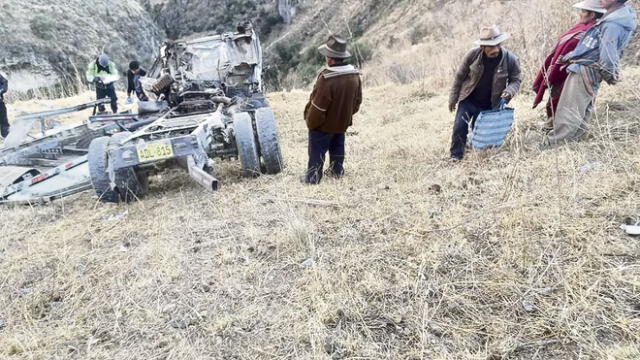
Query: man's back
pixel 336 97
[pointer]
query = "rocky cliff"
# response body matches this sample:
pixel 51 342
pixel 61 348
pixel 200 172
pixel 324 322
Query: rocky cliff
pixel 47 44
pixel 180 18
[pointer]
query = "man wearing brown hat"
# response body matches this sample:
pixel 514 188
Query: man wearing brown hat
pixel 336 97
pixel 488 74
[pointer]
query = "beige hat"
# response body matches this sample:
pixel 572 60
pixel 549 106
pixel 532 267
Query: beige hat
pixel 591 5
pixel 336 47
pixel 492 36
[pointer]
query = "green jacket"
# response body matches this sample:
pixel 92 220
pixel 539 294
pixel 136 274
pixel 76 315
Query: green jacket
pixel 92 71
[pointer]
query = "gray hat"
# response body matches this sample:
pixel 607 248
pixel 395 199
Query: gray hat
pixel 492 36
pixel 591 5
pixel 103 60
pixel 335 47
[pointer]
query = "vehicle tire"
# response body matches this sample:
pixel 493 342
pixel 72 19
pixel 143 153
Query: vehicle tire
pixel 246 143
pixel 130 184
pixel 98 164
pixel 268 139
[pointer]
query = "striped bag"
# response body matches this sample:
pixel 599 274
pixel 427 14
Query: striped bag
pixel 492 127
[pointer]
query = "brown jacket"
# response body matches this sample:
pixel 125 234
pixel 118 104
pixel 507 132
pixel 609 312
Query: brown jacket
pixel 335 98
pixel 506 79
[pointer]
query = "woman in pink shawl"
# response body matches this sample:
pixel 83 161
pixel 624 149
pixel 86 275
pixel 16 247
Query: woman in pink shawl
pixel 553 74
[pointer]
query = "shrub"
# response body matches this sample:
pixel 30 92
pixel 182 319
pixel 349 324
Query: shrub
pixel 42 27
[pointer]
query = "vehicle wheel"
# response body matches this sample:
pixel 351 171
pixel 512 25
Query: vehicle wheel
pixel 246 143
pixel 98 164
pixel 131 184
pixel 268 139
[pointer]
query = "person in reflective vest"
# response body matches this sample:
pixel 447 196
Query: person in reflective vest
pixel 103 74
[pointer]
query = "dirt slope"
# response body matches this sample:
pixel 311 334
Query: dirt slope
pixel 511 254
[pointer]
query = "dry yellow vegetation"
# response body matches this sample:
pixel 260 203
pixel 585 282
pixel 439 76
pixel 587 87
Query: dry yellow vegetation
pixel 514 253
pixel 511 254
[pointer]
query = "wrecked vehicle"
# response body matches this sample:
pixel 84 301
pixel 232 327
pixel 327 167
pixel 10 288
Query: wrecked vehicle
pixel 210 105
pixel 52 163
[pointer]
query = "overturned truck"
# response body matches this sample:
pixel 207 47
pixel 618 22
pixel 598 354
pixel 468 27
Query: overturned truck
pixel 210 106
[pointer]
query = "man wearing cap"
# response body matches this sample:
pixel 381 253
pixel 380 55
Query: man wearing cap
pixel 553 74
pixel 103 73
pixel 336 97
pixel 487 74
pixel 596 58
pixel 4 122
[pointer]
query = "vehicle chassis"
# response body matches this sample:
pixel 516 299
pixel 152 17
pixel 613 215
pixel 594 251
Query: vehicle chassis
pixel 211 91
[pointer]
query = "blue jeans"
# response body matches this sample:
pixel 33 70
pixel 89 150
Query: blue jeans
pixel 319 143
pixel 466 115
pixel 108 91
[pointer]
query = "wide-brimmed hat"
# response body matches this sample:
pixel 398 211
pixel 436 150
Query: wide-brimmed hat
pixel 335 47
pixel 591 5
pixel 492 36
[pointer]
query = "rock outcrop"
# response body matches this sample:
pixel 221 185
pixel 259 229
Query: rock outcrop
pixel 46 44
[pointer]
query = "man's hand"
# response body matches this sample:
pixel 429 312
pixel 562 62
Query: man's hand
pixel 506 96
pixel 452 106
pixel 98 81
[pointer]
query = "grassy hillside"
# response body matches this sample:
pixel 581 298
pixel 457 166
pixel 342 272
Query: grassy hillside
pixel 406 41
pixel 514 253
pixel 511 254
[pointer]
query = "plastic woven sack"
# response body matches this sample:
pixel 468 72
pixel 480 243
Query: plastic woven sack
pixel 492 127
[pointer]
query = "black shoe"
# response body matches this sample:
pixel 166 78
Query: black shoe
pixel 4 131
pixel 329 173
pixel 455 158
pixel 304 180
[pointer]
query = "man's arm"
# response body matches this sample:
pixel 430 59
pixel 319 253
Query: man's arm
pixel 460 77
pixel 515 78
pixel 358 100
pixel 113 71
pixel 130 85
pixel 609 54
pixel 319 103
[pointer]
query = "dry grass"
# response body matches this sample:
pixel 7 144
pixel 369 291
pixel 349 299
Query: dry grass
pixel 511 254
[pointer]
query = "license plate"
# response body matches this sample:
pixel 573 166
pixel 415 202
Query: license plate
pixel 155 151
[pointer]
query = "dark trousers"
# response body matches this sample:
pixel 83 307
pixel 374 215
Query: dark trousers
pixel 319 143
pixel 107 91
pixel 4 122
pixel 137 85
pixel 466 115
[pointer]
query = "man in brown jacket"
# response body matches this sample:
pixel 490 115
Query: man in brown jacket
pixel 335 98
pixel 488 74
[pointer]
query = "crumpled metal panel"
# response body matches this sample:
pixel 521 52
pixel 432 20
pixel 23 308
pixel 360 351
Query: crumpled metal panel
pixel 10 174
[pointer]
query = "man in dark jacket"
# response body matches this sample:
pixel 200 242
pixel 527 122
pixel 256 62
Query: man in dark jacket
pixel 488 74
pixel 134 74
pixel 336 97
pixel 4 122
